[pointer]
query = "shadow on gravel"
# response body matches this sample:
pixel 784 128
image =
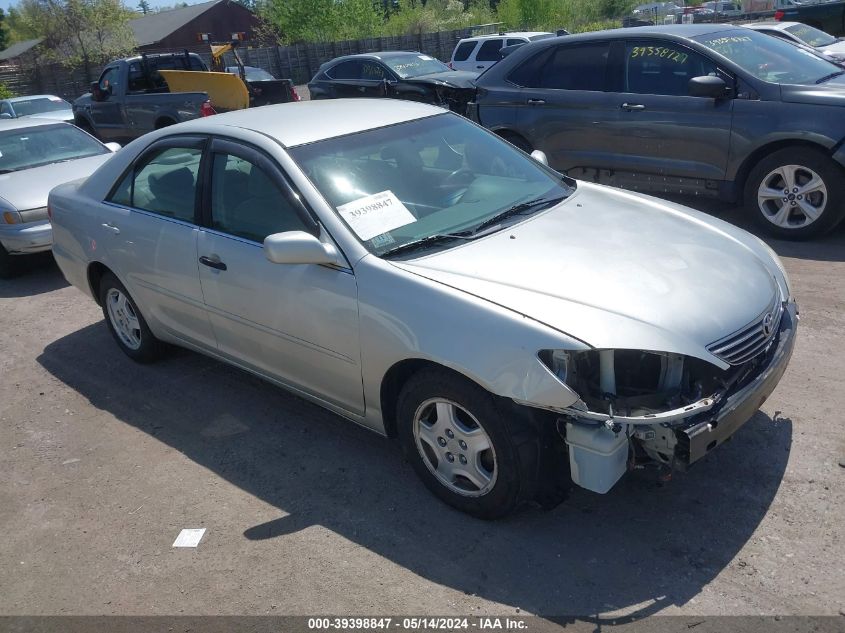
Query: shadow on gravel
pixel 641 547
pixel 34 275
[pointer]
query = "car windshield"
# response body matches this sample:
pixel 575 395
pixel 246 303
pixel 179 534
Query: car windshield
pixel 769 58
pixel 24 148
pixel 811 35
pixel 409 66
pixel 429 177
pixel 40 105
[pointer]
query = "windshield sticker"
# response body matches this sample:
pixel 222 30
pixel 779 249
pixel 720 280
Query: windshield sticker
pixel 376 214
pixel 659 51
pixel 385 239
pixel 719 41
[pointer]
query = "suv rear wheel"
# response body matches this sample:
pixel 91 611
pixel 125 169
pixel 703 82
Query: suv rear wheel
pixel 796 193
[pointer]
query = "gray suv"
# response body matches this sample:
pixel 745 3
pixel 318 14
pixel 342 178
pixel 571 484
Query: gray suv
pixel 707 110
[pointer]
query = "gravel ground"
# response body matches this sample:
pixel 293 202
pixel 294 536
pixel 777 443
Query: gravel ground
pixel 103 462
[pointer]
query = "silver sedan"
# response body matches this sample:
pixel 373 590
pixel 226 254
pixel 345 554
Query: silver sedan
pixel 35 156
pixel 395 263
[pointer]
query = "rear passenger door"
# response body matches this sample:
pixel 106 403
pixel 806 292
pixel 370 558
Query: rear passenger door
pixel 487 54
pixel 563 108
pixel 296 323
pixel 151 237
pixel 347 79
pixel 667 140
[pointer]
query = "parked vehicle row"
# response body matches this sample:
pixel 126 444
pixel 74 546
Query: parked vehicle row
pixel 412 272
pixel 37 106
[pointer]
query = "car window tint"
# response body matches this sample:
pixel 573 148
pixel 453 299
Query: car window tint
pixel 137 82
pixel 372 70
pixel 109 79
pixel 576 68
pixel 463 51
pixel 662 68
pixel 489 51
pixel 165 184
pixel 5 108
pixel 513 41
pixel 246 202
pixel 345 70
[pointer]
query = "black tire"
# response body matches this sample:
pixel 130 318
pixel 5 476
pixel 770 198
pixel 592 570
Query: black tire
pixel 150 348
pixel 517 141
pixel 832 204
pixel 83 125
pixel 162 123
pixel 8 264
pixel 514 445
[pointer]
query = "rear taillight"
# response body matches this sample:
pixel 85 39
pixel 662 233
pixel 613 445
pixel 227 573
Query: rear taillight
pixel 294 94
pixel 206 109
pixel 779 15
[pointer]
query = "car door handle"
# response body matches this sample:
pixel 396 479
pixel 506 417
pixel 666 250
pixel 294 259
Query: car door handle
pixel 212 263
pixel 536 101
pixel 111 227
pixel 632 106
pixel 481 67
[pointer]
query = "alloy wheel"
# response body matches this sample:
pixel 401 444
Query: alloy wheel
pixel 792 196
pixel 123 318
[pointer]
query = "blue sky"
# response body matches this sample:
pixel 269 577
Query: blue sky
pixel 132 4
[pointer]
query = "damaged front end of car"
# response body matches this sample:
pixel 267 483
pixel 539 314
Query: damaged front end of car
pixel 637 408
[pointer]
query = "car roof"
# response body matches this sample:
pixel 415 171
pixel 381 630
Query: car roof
pixel 677 30
pixel 303 122
pixel 778 26
pixel 30 97
pixel 507 34
pixel 25 122
pixel 378 55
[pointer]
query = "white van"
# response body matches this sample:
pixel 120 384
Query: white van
pixel 479 53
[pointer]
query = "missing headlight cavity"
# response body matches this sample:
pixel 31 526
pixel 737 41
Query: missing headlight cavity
pixel 645 382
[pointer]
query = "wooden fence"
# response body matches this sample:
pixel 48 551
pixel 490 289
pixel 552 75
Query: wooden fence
pixel 298 62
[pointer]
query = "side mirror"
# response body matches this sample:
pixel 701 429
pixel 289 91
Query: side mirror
pixel 707 86
pixel 298 247
pixel 540 157
pixel 113 146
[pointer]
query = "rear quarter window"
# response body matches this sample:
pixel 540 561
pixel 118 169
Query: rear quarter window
pixel 463 51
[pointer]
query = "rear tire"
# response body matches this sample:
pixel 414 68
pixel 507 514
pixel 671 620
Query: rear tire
pixel 464 449
pixel 796 193
pixel 126 323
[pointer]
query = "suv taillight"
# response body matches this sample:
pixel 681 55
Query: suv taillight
pixel 779 15
pixel 206 109
pixel 294 94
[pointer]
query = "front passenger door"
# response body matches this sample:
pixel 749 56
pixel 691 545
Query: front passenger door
pixel 667 140
pixel 296 323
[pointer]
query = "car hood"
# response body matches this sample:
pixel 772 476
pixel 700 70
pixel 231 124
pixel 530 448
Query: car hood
pixel 452 78
pixel 616 270
pixel 829 93
pixel 28 189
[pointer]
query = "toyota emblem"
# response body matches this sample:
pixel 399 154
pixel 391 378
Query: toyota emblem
pixel 768 320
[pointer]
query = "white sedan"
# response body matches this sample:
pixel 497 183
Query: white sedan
pixel 414 273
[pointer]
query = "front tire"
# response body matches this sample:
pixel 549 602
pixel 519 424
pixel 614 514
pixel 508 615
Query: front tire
pixel 796 193
pixel 8 265
pixel 462 446
pixel 126 323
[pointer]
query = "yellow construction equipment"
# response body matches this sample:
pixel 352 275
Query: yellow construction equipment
pixel 226 91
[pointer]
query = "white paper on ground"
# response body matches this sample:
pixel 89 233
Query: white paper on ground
pixel 189 537
pixel 375 214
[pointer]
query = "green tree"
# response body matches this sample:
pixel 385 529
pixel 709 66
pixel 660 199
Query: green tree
pixel 4 35
pixel 320 20
pixel 144 7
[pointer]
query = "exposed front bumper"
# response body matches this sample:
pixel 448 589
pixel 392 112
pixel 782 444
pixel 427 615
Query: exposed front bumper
pixel 32 237
pixel 701 436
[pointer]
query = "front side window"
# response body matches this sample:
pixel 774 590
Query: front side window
pixel 345 70
pixel 770 59
pixel 662 68
pixel 373 71
pixel 438 175
pixel 489 51
pixel 463 51
pixel 164 183
pixel 108 80
pixel 24 148
pixel 247 202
